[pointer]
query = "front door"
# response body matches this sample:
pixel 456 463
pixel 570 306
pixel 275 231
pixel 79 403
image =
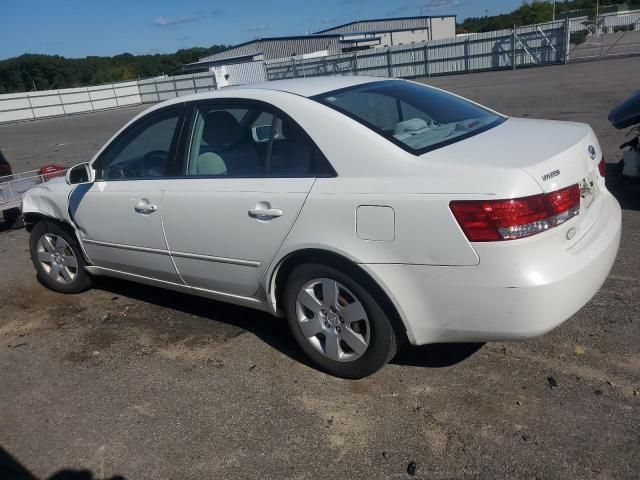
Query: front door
pixel 247 174
pixel 120 215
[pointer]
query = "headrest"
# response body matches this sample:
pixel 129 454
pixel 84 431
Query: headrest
pixel 411 125
pixel 221 128
pixel 211 164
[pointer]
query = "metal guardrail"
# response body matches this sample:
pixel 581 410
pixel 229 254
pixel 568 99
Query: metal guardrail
pixel 163 88
pixel 12 187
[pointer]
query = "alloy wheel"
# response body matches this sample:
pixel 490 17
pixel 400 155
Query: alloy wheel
pixel 333 320
pixel 57 258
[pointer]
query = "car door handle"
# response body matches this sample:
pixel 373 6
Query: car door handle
pixel 265 212
pixel 145 208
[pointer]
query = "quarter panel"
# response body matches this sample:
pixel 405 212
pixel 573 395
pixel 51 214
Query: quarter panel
pixel 425 231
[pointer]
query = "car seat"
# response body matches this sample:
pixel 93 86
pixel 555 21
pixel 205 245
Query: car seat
pixel 233 155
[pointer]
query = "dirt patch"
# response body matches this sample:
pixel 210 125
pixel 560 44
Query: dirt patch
pixel 344 424
pixel 93 346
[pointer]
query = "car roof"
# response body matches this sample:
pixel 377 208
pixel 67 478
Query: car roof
pixel 305 87
pixel 309 87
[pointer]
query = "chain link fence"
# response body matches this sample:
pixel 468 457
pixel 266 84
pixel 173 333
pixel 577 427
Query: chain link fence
pixel 524 46
pixel 606 36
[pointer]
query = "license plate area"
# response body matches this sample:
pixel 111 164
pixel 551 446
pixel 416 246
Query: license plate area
pixel 589 189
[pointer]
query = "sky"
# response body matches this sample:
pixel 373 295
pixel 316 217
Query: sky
pixel 79 28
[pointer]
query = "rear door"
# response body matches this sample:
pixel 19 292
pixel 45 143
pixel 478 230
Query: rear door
pixel 120 214
pixel 247 172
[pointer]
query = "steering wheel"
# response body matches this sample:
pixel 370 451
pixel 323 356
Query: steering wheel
pixel 158 154
pixel 123 172
pixel 154 163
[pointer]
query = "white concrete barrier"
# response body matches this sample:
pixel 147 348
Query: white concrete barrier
pixel 51 103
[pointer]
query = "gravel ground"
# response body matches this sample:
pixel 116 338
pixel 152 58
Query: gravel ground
pixel 133 381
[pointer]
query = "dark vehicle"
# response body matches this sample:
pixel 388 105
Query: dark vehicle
pixel 5 169
pixel 624 115
pixel 11 216
pixel 627 113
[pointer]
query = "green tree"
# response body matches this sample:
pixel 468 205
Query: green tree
pixel 20 74
pixel 537 11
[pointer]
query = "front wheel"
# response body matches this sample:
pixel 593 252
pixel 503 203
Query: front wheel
pixel 58 259
pixel 337 322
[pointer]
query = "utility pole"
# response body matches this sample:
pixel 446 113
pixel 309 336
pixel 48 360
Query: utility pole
pixel 554 11
pixel 597 9
pixel 35 89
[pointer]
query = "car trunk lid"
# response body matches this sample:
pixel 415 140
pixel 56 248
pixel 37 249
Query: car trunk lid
pixel 554 154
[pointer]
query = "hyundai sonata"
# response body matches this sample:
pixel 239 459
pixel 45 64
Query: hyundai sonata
pixel 367 211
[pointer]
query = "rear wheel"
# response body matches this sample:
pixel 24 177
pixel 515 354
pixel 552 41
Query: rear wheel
pixel 337 323
pixel 58 259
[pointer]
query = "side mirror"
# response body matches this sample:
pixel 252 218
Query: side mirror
pixel 82 173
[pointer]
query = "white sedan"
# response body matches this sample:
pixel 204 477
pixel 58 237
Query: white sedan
pixel 367 211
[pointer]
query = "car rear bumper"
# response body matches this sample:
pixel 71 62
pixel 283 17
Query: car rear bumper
pixel 518 290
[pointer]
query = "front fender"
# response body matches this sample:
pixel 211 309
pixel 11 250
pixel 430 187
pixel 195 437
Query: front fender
pixel 51 200
pixel 48 199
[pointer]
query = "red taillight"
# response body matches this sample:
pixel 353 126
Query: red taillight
pixel 494 220
pixel 602 166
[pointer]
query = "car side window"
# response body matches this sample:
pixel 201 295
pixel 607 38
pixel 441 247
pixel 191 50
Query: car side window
pixel 247 142
pixel 291 153
pixel 220 145
pixel 142 151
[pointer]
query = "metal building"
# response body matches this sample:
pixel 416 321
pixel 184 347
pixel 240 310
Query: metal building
pixel 385 32
pixel 271 48
pixel 243 63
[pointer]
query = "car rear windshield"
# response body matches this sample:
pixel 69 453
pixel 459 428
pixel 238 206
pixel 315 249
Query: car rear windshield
pixel 416 117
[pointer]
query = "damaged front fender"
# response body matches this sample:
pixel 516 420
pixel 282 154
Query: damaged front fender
pixel 49 199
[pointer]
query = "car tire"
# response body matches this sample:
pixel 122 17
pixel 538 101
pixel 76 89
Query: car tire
pixel 12 218
pixel 58 259
pixel 354 338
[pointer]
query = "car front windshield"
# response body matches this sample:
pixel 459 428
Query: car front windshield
pixel 416 117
